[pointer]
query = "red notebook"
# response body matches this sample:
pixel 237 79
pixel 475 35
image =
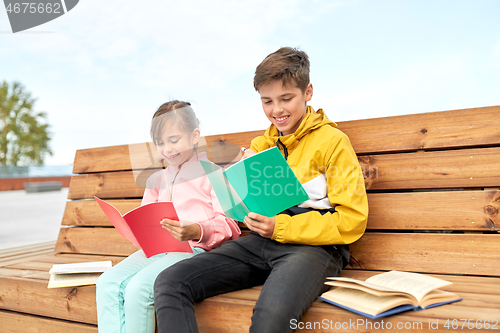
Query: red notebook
pixel 142 227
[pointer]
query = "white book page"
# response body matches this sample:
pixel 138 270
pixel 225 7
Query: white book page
pixel 71 280
pixel 83 267
pixel 361 301
pixel 415 284
pixel 369 288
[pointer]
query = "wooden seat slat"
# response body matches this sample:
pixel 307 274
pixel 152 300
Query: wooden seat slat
pixel 445 210
pixel 426 170
pixel 142 156
pixel 32 265
pixel 433 130
pixel 121 158
pixel 62 258
pixel 241 310
pixel 88 212
pixel 34 324
pixel 105 241
pixel 32 296
pixel 471 299
pixel 461 283
pixel 24 273
pixel 105 185
pixel 433 169
pixel 100 159
pixel 21 253
pixel 428 252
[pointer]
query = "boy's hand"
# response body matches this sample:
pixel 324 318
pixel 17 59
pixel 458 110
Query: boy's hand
pixel 180 232
pixel 247 152
pixel 263 225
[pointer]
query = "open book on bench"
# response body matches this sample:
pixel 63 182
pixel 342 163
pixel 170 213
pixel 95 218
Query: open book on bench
pixel 388 293
pixel 77 274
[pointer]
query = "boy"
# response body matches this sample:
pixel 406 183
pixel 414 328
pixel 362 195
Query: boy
pixel 291 253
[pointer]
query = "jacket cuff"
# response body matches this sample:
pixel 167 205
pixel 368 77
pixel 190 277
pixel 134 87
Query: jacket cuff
pixel 201 240
pixel 279 228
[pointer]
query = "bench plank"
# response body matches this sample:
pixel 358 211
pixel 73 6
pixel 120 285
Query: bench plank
pixel 226 148
pixel 100 159
pixel 433 130
pixel 89 213
pixel 447 210
pixel 117 158
pixel 433 169
pixel 424 252
pixel 19 254
pixel 24 273
pixel 64 258
pixel 428 252
pixel 221 149
pixel 32 296
pixel 105 241
pixel 105 185
pixel 422 170
pixel 14 322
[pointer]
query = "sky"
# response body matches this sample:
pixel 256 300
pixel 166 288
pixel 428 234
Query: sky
pixel 101 70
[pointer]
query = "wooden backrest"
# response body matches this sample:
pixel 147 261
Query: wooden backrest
pixel 432 182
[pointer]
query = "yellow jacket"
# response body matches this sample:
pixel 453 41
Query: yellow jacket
pixel 322 158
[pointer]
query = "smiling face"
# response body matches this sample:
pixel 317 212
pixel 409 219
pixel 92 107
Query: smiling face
pixel 285 106
pixel 176 145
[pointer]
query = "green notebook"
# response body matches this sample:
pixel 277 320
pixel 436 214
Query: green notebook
pixel 262 184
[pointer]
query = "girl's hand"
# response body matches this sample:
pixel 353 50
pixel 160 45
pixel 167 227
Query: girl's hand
pixel 182 233
pixel 263 225
pixel 247 153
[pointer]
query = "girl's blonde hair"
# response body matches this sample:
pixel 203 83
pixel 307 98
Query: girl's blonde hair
pixel 173 112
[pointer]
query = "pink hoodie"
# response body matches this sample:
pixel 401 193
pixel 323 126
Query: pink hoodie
pixel 194 199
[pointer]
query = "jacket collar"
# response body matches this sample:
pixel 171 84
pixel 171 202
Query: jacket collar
pixel 312 121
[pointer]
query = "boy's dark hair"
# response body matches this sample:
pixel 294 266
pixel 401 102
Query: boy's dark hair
pixel 288 64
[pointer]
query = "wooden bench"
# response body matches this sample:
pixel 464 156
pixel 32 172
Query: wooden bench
pixel 433 186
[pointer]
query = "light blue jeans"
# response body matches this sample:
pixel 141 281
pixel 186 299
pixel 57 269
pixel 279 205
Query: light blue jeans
pixel 125 292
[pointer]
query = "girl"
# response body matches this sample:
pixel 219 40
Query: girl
pixel 125 292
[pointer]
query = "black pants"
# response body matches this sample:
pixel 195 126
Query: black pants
pixel 293 276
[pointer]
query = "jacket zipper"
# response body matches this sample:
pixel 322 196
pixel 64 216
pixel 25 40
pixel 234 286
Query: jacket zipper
pixel 285 150
pixel 173 181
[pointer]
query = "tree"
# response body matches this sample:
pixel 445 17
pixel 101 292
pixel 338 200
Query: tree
pixel 24 135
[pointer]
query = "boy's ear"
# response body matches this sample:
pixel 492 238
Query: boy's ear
pixel 195 136
pixel 309 92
